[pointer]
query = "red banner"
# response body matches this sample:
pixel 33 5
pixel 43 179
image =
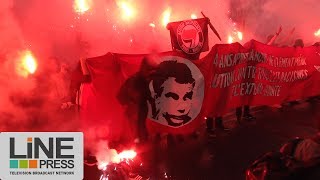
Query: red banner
pixel 258 74
pixel 181 92
pixel 169 110
pixel 190 36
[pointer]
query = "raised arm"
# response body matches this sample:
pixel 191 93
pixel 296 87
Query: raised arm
pixel 275 36
pixel 285 40
pixel 84 67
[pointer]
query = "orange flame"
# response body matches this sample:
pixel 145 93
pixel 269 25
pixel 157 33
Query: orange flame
pixel 152 25
pixel 127 10
pixel 166 17
pixel 240 35
pixel 81 6
pixel 193 16
pixel 114 157
pixel 230 39
pixel 235 36
pixel 317 33
pixel 27 64
pixel 128 154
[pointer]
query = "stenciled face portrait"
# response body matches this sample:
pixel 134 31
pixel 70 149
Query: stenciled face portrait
pixel 176 92
pixel 174 103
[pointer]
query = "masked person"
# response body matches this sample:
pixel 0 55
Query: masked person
pixel 134 94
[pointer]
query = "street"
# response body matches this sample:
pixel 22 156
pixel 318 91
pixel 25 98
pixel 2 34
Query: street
pixel 229 154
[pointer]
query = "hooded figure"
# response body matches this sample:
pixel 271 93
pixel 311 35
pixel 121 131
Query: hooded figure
pixel 134 94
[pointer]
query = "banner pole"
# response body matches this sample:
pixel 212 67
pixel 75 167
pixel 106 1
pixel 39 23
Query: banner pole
pixel 211 26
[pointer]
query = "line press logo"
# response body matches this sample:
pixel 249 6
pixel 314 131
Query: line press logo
pixel 39 155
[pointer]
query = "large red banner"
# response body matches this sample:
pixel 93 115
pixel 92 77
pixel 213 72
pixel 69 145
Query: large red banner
pixel 258 74
pixel 183 92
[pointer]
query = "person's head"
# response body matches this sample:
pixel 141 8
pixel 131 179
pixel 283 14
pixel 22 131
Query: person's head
pixel 171 90
pixel 298 43
pixel 147 66
pixel 64 68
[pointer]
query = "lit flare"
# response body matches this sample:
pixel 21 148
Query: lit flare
pixel 117 157
pixel 230 39
pixel 193 16
pixel 166 17
pixel 317 33
pixel 240 35
pixel 81 6
pixel 27 64
pixel 128 11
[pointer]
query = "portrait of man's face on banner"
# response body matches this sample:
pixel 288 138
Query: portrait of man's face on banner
pixel 177 91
